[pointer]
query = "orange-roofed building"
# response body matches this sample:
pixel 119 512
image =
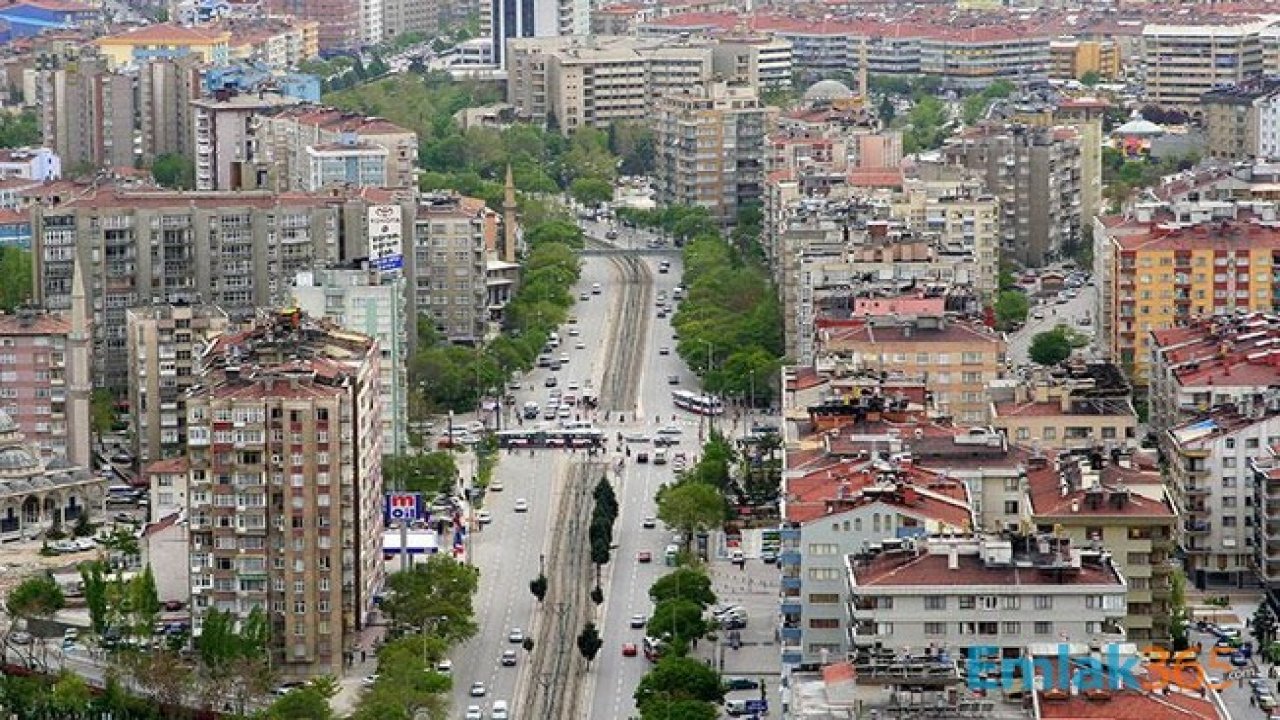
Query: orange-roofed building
pixel 165 41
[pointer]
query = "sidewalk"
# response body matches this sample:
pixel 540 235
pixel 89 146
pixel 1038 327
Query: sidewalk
pixel 365 663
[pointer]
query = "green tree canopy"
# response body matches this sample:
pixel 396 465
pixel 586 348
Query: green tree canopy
pixel 676 678
pixel 591 191
pixel 435 595
pixel 679 621
pixel 21 129
pixel 429 472
pixel 174 171
pixel 221 643
pixel 664 708
pixel 1050 347
pixel 309 702
pixel 691 507
pixel 37 596
pixel 15 277
pixel 1011 309
pixel 692 584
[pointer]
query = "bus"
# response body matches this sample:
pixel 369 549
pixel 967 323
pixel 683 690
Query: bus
pixel 695 403
pixel 575 437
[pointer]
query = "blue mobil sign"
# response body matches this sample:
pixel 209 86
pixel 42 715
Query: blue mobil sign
pixel 404 507
pixel 757 706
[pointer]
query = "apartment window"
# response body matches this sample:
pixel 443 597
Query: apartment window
pixel 1044 602
pixel 1012 628
pixel 1012 484
pixel 971 378
pixel 1010 507
pixel 823 548
pixel 824 574
pixel 824 598
pixel 824 623
pixel 1043 628
pixel 1228 462
pixel 1010 602
pixel 1228 502
pixel 1138 558
pixel 935 628
pixel 1228 481
pixel 968 602
pixel 1251 443
pixel 971 358
pixel 299 607
pixel 933 602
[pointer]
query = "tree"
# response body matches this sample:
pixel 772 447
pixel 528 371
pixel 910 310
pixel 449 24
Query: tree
pixel 102 411
pixel 678 621
pixel 94 578
pixel 436 594
pixel 309 702
pixel 1264 625
pixel 591 191
pixel 431 472
pixel 20 129
pixel 684 584
pixel 174 171
pixel 589 643
pixel 538 586
pixel 144 601
pixel 691 507
pixel 675 677
pixel 597 595
pixel 663 708
pixel 162 675
pixel 1011 309
pixel 1090 78
pixel 220 645
pixel 71 696
pixel 15 278
pixel 37 596
pixel 1050 347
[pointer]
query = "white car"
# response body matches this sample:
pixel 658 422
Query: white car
pixel 522 505
pixel 444 667
pixel 484 517
pixel 515 636
pixel 369 680
pixel 478 689
pixel 638 621
pixel 495 485
pixel 499 711
pixel 474 713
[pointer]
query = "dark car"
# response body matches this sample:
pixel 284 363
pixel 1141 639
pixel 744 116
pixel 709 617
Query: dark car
pixel 642 457
pixel 740 683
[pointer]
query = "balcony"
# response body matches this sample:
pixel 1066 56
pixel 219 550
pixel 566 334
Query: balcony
pixel 790 558
pixel 1196 489
pixel 1196 527
pixel 790 606
pixel 790 635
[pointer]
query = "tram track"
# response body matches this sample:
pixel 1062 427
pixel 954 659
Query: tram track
pixel 627 332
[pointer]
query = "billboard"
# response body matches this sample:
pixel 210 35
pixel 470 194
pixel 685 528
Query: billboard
pixel 404 507
pixel 386 241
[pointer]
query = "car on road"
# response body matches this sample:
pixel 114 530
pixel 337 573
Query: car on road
pixel 670 430
pixel 595 289
pixel 572 386
pixel 496 486
pixel 1037 314
pixel 673 379
pixel 484 517
pixel 564 412
pixel 662 315
pixel 285 688
pixel 611 235
pixel 637 438
pixel 124 517
pixel 649 522
pixel 644 556
pixel 499 711
pixel 580 345
pixel 20 638
pixel 369 680
pixel 584 296
pixel 522 505
pixel 740 683
pixel 508 658
pixel 550 381
pixel 445 667
pixel 768 557
pixel 638 621
pixel 629 649
pixel 664 350
pixel 474 713
pixel 642 457
pixel 1267 701
pixel 478 689
pixel 574 332
pixel 516 635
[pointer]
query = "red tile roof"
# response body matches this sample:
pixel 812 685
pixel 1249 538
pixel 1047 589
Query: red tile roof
pixel 166 33
pixel 925 494
pixel 169 466
pixel 1131 705
pixel 930 569
pixel 1047 499
pixel 41 323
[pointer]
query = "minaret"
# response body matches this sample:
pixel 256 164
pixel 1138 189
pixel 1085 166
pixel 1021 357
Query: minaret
pixel 509 218
pixel 864 75
pixel 79 373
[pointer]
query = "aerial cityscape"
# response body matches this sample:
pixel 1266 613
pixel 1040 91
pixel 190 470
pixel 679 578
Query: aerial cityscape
pixel 652 360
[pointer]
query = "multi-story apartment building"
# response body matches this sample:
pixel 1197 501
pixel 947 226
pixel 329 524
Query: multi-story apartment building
pixel 1233 119
pixel 237 250
pixel 45 380
pixel 1073 58
pixel 1079 406
pixel 1212 487
pixel 30 163
pixel 709 148
pixel 1183 62
pixel 284 505
pixel 1269 127
pixel 166 89
pixel 164 343
pixel 87 114
pixel 1265 479
pixel 283 139
pixel 228 153
pixel 1037 173
pixel 164 41
pixel 340 25
pixel 973 58
pixel 372 303
pixel 1096 502
pixel 273 42
pixel 347 162
pixel 959 359
pixel 1003 592
pixel 450 265
pixel 512 20
pixel 573 82
pixel 835 508
pixel 1169 263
